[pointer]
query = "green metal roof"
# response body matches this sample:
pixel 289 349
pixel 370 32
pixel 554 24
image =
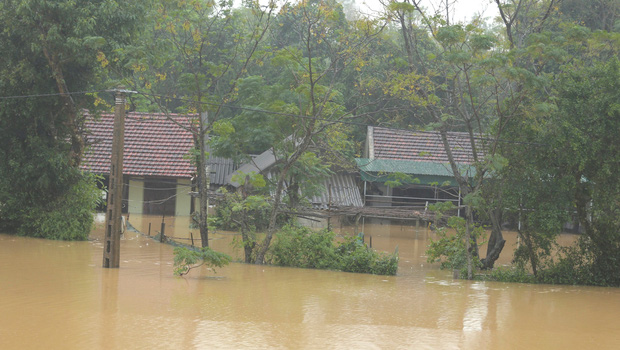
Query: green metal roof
pixel 378 170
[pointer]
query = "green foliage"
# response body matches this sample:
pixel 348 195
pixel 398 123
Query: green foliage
pixel 355 256
pixel 186 259
pixel 509 274
pixel 69 216
pixel 257 181
pixel 232 209
pixel 450 247
pixel 573 265
pixel 42 194
pixel 298 246
pixel 245 210
pixel 52 47
pixel 398 179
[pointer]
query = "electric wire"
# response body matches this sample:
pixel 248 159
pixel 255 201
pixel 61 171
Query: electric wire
pixel 224 105
pixel 52 94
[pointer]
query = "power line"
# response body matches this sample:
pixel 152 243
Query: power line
pixel 52 95
pixel 345 122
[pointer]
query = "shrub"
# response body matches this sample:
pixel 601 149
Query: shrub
pixel 298 246
pixel 510 274
pixel 69 217
pixel 227 212
pixel 355 256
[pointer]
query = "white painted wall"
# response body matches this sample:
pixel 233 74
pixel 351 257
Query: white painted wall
pixel 183 199
pixel 136 196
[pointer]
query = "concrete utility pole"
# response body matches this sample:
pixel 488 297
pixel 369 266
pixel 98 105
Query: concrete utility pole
pixel 112 241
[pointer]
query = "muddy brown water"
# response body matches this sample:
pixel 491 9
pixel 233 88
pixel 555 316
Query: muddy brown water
pixel 55 295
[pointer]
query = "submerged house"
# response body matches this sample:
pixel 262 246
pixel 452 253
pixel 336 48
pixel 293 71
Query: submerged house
pixel 418 154
pixel 157 171
pixel 339 190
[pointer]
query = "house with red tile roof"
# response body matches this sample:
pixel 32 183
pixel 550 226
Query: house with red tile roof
pixel 420 155
pixel 157 169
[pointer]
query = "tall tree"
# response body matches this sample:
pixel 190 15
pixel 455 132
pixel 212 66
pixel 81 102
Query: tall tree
pixel 315 47
pixel 51 48
pixel 199 51
pixel 586 125
pixel 464 77
pixel 594 14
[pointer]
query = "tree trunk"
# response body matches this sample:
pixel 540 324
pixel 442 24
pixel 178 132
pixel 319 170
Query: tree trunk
pixel 471 243
pixel 527 239
pixel 496 240
pixel 203 188
pixel 264 246
pixel 76 139
pixel 248 242
pixel 471 249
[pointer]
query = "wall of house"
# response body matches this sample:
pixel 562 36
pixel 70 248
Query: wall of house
pixel 184 200
pixel 136 195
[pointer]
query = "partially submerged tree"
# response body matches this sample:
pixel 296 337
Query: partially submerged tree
pixel 198 51
pixel 468 79
pixel 315 48
pixel 51 54
pixel 186 259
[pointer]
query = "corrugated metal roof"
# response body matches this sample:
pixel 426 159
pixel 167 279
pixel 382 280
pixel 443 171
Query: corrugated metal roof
pixel 345 191
pixel 339 190
pixel 220 168
pixel 378 170
pixel 258 164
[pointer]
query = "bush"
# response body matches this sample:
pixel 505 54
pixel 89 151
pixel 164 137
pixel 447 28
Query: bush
pixel 583 264
pixel 509 274
pixel 69 217
pixel 355 256
pixel 575 265
pixel 298 246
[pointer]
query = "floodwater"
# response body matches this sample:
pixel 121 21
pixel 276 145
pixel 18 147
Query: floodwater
pixel 56 295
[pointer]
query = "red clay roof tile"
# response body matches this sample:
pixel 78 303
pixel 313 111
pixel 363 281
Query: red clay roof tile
pixel 420 146
pixel 155 145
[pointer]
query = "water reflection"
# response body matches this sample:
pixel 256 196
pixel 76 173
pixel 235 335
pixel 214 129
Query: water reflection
pixel 56 295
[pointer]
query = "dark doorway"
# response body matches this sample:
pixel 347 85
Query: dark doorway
pixel 160 197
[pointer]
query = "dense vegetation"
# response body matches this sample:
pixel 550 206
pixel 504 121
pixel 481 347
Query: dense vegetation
pixel 49 50
pixel 536 90
pixel 299 246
